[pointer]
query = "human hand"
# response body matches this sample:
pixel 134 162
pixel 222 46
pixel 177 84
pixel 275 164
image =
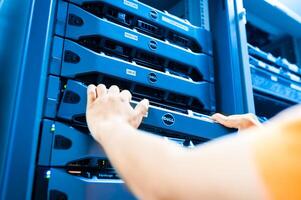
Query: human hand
pixel 240 122
pixel 109 107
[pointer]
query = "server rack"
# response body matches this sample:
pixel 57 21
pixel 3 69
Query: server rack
pixel 273 59
pixel 62 38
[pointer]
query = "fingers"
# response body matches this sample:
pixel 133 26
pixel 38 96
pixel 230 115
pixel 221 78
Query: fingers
pixel 114 90
pixel 230 122
pixel 101 90
pixel 126 96
pixel 91 94
pixel 240 122
pixel 217 117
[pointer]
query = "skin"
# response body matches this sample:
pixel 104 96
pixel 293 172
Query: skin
pixel 240 122
pixel 154 168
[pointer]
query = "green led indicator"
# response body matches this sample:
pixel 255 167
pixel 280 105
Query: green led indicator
pixel 52 128
pixel 48 174
pixel 65 86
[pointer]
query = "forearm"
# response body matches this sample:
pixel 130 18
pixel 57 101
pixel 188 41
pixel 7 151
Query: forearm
pixel 156 169
pixel 144 161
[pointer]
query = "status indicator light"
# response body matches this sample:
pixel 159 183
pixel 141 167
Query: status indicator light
pixel 52 128
pixel 48 174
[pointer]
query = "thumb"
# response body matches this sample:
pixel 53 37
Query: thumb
pixel 140 111
pixel 141 108
pixel 91 94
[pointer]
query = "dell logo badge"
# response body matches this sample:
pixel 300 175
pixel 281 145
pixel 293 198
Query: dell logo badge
pixel 152 78
pixel 168 119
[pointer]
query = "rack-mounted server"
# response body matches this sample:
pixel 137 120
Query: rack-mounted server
pixel 275 77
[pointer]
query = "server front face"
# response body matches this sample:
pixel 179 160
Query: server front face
pixel 276 82
pixel 153 54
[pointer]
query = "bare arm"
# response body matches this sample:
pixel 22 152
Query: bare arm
pixel 156 169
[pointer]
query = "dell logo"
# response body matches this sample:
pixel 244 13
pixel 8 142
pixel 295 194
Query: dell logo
pixel 153 45
pixel 152 77
pixel 168 119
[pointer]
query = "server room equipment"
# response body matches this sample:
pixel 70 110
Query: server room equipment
pixel 273 56
pixel 186 70
pixel 275 81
